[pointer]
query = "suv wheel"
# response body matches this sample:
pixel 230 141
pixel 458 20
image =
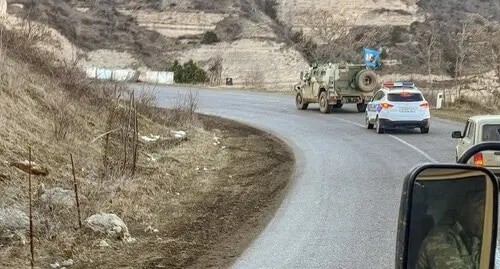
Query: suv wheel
pixel 368 124
pixel 379 128
pixel 424 130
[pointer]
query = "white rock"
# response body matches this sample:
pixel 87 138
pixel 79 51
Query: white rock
pixel 104 244
pixel 68 262
pixel 151 138
pixel 178 134
pixel 13 224
pixel 109 224
pixel 58 197
pixel 55 265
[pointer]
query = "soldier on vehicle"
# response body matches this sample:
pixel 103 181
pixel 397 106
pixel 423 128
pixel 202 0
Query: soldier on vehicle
pixel 455 243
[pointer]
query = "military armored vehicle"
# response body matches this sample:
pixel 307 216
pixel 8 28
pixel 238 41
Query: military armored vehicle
pixel 333 85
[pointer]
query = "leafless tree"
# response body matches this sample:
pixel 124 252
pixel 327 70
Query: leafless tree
pixel 326 26
pixel 215 71
pixel 429 48
pixel 467 44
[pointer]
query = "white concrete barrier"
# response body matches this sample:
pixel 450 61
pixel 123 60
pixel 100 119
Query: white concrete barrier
pixel 128 75
pixel 104 74
pixel 156 77
pixel 91 72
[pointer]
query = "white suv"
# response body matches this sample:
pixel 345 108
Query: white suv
pixel 398 104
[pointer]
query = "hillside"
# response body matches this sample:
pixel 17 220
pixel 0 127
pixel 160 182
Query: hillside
pixel 265 43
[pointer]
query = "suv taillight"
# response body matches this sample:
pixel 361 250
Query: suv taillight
pixel 386 105
pixel 479 159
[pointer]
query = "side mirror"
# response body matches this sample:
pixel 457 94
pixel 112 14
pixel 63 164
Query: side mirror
pixel 456 134
pixel 302 75
pixel 447 218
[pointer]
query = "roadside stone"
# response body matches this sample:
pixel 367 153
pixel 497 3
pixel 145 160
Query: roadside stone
pixel 110 225
pixel 13 225
pixel 68 262
pixel 178 134
pixel 104 244
pixel 27 167
pixel 58 197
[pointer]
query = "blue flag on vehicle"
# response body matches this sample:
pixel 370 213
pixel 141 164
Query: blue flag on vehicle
pixel 371 57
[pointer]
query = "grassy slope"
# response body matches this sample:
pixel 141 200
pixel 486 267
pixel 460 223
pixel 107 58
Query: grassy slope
pixel 195 193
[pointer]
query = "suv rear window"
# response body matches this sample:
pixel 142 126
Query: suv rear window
pixel 491 132
pixel 405 97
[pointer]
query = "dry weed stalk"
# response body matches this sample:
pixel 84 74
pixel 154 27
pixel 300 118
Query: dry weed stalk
pixel 32 247
pixel 184 108
pixel 76 192
pixel 136 137
pixel 126 135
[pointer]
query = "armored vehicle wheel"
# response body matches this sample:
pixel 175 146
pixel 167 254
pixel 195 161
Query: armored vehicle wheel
pixel 323 103
pixel 299 102
pixel 366 80
pixel 361 107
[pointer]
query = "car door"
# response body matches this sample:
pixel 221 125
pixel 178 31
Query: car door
pixel 468 140
pixel 372 107
pixel 315 82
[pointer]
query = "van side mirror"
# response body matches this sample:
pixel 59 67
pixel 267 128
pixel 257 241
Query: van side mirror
pixel 447 218
pixel 457 134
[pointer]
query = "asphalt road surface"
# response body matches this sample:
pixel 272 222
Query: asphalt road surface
pixel 342 207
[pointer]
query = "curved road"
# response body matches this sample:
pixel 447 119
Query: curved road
pixel 342 207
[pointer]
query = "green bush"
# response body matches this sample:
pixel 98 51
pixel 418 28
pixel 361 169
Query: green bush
pixel 189 72
pixel 209 37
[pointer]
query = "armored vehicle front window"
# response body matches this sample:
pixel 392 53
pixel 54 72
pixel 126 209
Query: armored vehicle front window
pixel 491 132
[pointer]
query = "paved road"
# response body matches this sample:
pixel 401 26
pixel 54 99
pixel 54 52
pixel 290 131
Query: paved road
pixel 342 208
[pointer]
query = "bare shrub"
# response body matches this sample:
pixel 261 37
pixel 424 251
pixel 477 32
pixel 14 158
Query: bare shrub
pixel 63 117
pixel 184 109
pixel 215 71
pixel 145 100
pixel 254 78
pixel 229 29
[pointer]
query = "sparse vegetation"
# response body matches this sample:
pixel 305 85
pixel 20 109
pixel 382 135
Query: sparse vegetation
pixel 254 79
pixel 215 71
pixel 269 7
pixel 229 28
pixel 101 27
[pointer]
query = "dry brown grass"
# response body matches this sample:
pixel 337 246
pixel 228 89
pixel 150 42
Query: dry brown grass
pixel 464 109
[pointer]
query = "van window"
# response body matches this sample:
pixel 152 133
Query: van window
pixel 491 132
